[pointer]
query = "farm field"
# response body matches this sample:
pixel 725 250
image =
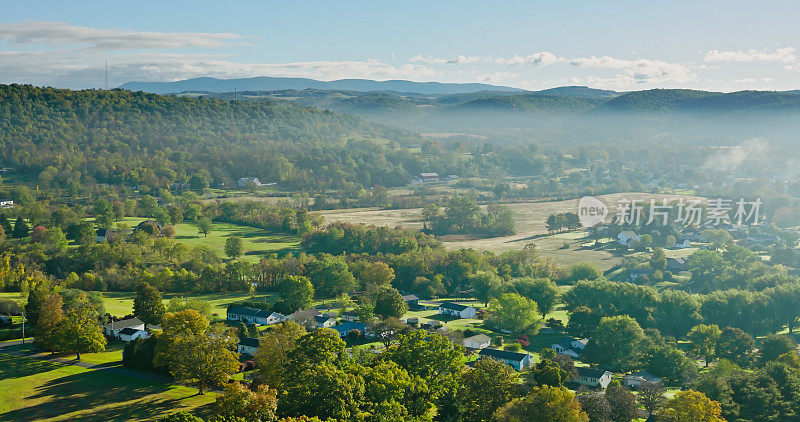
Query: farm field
pixel 257 242
pixel 31 389
pixel 566 248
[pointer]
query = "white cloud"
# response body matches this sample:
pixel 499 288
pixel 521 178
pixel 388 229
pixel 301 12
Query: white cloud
pixel 784 55
pixel 635 72
pixel 544 58
pixel 60 34
pixel 459 59
pixel 497 77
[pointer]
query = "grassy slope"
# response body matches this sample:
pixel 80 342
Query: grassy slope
pixel 37 390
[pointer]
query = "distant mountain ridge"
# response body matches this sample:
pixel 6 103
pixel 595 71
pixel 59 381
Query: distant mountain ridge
pixel 266 83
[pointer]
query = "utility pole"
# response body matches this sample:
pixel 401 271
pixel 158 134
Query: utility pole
pixel 23 326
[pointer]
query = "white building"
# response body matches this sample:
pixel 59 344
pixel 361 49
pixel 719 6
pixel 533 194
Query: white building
pixel 6 204
pixel 113 328
pixel 480 341
pixel 593 377
pixel 247 346
pixel 130 334
pixel 625 237
pixel 253 316
pixel 456 310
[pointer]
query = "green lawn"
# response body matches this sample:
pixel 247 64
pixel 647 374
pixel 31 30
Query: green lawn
pixel 257 242
pixel 37 390
pixel 121 303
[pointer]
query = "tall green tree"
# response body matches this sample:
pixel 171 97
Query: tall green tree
pixel 148 305
pixel 234 246
pixel 515 313
pixel 543 404
pixel 296 291
pixel 703 340
pixel 78 332
pixel 489 385
pixel 20 229
pixel 390 303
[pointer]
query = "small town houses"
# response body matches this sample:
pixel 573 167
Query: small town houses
pixel 518 360
pixel 248 346
pixel 570 347
pixel 253 316
pixel 592 377
pixel 635 380
pixel 453 309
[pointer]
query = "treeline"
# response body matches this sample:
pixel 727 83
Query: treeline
pixel 462 215
pixel 338 238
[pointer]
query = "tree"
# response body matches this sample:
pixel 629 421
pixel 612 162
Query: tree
pixel 658 261
pixel 489 385
pixel 325 391
pixel 703 339
pixel 196 352
pixel 595 405
pixel 515 313
pixel 430 356
pixel 50 316
pixel 775 345
pixel 616 342
pixel 330 275
pixel 148 305
pixel 584 271
pixel 651 396
pixel 484 285
pixel 238 401
pixel 234 246
pixel 297 292
pixel 543 291
pixel 736 346
pixel 20 229
pixel 547 372
pixel 621 401
pixel 376 274
pixel 390 303
pixel 388 330
pixel 204 226
pixel 543 404
pixel 272 356
pixel 79 333
pixel 692 406
pixel 177 304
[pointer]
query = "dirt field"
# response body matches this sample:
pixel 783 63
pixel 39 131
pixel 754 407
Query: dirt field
pixel 530 221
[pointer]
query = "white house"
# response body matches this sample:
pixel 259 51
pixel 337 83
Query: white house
pixel 480 341
pixel 625 237
pixel 247 181
pixel 6 204
pixel 518 361
pixel 593 377
pixel 324 321
pixel 130 334
pixel 456 310
pixel 247 346
pixel 253 316
pixel 636 379
pixel 113 328
pixel 682 243
pixel 638 273
pixel 350 317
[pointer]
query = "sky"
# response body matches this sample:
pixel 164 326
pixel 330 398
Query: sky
pixel 622 45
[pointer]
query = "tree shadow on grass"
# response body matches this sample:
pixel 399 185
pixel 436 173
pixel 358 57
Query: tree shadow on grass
pixel 99 396
pixel 17 367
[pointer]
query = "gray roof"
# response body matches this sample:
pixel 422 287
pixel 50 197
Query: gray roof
pixel 453 306
pixel 249 341
pixel 251 312
pixel 585 371
pixel 503 354
pixel 125 323
pixel 128 331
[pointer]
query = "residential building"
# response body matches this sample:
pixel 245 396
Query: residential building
pixel 129 334
pixel 676 264
pixel 479 341
pixel 636 379
pixel 6 204
pixel 247 181
pixel 638 273
pixel 321 321
pixel 113 328
pixel 248 346
pixel 350 317
pixel 253 315
pixel 429 177
pixel 344 328
pixel 682 243
pixel 456 310
pixel 518 361
pixel 593 377
pixel 411 300
pixel 625 237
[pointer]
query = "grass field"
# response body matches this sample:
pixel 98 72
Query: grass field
pixel 530 223
pixel 257 242
pixel 43 391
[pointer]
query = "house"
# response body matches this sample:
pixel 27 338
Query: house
pixel 431 324
pixel 321 321
pixel 247 181
pixel 456 310
pixel 102 235
pixel 350 317
pixel 253 315
pixel 636 379
pixel 452 178
pixel 676 264
pixel 305 317
pixel 129 334
pixel 480 341
pixel 6 204
pixel 113 328
pixel 682 243
pixel 762 238
pixel 248 346
pixel 411 300
pixel 570 347
pixel 692 234
pixel 429 177
pixel 625 237
pixel 518 361
pixel 638 273
pixel 593 377
pixel 344 328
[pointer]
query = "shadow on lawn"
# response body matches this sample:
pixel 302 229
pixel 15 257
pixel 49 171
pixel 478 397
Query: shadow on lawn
pixel 90 391
pixel 15 367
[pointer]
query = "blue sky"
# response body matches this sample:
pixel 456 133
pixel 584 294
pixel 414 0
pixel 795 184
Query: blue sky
pixel 624 45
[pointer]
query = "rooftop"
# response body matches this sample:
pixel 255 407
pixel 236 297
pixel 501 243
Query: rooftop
pixel 503 354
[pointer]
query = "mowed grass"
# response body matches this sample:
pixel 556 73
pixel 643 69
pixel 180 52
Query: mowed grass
pixel 121 303
pixel 257 242
pixel 529 218
pixel 32 389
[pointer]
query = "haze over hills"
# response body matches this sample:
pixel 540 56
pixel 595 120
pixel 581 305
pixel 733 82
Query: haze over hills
pixel 265 83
